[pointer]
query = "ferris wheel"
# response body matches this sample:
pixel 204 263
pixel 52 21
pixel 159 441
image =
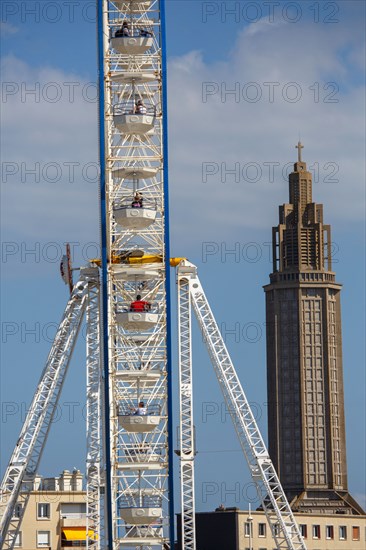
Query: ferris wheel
pixel 135 267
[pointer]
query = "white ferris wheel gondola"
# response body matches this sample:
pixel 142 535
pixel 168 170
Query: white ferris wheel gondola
pixel 130 123
pixel 139 424
pixel 140 516
pixel 131 45
pixel 133 77
pixel 137 321
pixel 134 218
pixel 136 172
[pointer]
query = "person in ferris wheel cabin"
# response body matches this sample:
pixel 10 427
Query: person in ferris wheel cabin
pixel 141 409
pixel 137 200
pixel 145 33
pixel 140 305
pixel 140 108
pixel 124 30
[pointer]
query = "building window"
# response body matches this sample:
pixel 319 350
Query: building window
pixel 304 530
pixel 18 539
pixel 43 511
pixel 342 532
pixel 17 512
pixel 316 531
pixel 73 511
pixel 355 533
pixel 276 529
pixel 248 529
pixel 262 529
pixel 329 532
pixel 43 539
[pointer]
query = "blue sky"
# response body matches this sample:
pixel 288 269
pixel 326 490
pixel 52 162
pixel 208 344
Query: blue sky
pixel 242 88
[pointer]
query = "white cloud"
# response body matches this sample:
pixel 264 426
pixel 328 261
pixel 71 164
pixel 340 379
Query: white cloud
pixel 7 28
pixel 46 114
pixel 262 25
pixel 49 155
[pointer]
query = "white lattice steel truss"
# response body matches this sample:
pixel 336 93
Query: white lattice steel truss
pixel 94 408
pixel 137 343
pixel 186 425
pixel 279 515
pixel 19 477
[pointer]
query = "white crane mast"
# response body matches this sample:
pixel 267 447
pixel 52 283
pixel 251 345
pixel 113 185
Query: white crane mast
pixel 22 468
pixel 275 505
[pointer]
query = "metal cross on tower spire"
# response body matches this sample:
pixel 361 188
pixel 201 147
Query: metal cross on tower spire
pixel 299 147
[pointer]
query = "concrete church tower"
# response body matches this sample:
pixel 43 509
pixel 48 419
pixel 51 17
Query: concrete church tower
pixel 304 357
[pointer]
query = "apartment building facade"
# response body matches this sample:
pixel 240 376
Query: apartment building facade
pixel 235 529
pixel 55 517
